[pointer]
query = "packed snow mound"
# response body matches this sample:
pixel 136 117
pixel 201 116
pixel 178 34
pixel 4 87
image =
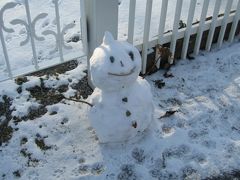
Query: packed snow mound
pixel 114 64
pixel 123 106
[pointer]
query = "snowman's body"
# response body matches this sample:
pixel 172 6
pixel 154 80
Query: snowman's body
pixel 122 100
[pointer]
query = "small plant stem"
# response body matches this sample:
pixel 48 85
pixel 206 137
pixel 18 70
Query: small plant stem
pixel 81 101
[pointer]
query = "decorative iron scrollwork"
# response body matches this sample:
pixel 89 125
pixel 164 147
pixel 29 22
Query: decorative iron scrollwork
pixel 4 8
pixel 33 34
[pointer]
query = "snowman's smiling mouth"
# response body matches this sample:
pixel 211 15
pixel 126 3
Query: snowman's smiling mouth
pixel 123 74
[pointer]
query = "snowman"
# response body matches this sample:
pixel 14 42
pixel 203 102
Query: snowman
pixel 122 100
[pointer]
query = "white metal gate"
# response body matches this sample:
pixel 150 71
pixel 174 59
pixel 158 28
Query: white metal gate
pixel 32 37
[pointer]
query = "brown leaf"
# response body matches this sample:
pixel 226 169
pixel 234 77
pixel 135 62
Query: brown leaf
pixel 168 114
pixel 168 75
pixel 159 83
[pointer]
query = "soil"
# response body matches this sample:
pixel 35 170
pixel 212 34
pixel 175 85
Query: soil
pixel 5 117
pixel 82 88
pixel 159 83
pixel 59 69
pixel 41 144
pixel 234 175
pixel 45 96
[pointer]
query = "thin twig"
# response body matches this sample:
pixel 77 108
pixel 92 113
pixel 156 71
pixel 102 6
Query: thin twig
pixel 81 101
pixel 149 71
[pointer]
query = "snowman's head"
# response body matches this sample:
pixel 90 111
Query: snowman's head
pixel 114 64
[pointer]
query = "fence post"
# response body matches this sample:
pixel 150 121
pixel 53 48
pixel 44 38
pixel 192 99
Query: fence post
pixel 101 16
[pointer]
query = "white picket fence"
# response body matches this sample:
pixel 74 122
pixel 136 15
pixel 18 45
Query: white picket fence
pixel 98 16
pixel 189 30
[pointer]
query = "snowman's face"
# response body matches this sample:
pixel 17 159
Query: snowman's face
pixel 114 64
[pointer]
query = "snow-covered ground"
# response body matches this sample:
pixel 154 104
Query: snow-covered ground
pixel 21 56
pixel 200 139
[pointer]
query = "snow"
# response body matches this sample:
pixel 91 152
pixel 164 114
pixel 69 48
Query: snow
pixel 10 91
pixel 112 58
pixel 122 102
pixel 201 139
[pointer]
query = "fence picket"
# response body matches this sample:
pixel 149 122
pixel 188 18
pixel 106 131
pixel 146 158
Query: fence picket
pixel 213 24
pixel 84 37
pixel 5 54
pixel 146 35
pixel 188 28
pixel 224 25
pixel 162 23
pixel 31 32
pixel 83 26
pixel 131 20
pixel 175 26
pixel 201 24
pixel 235 23
pixel 59 40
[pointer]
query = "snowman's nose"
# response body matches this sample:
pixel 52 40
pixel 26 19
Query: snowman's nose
pixel 122 65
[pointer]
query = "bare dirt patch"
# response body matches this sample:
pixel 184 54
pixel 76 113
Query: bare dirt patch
pixel 5 117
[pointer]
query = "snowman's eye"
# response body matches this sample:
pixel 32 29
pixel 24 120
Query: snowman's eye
pixel 112 59
pixel 131 55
